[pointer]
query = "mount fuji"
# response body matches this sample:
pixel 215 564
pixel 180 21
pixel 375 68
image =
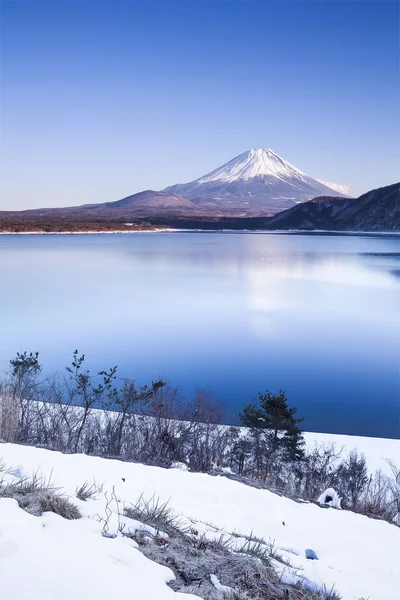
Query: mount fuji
pixel 257 182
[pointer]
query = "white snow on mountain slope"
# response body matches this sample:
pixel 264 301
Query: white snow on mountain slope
pixel 257 162
pixel 47 557
pixel 258 182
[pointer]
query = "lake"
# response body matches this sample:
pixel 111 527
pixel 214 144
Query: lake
pixel 235 313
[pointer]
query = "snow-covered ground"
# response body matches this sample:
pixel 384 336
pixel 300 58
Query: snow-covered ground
pixel 377 451
pixel 48 557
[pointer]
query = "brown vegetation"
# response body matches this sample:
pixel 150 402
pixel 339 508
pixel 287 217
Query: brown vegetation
pixel 33 224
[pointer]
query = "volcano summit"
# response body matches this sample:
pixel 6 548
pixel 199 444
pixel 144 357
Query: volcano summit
pixel 257 182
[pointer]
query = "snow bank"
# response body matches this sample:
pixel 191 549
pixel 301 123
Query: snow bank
pixel 48 557
pixel 376 450
pixel 66 559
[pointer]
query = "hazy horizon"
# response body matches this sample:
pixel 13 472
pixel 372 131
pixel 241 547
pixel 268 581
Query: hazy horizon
pixel 101 100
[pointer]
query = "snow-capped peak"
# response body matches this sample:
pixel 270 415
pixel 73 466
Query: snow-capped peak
pixel 257 162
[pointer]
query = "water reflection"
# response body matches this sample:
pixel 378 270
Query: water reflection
pixel 316 315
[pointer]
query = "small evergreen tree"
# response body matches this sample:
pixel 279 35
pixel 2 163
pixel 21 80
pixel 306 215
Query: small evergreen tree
pixel 25 367
pixel 275 428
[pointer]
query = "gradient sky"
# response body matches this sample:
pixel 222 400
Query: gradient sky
pixel 100 100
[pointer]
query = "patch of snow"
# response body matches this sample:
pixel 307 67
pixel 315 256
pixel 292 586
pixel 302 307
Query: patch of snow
pixel 223 589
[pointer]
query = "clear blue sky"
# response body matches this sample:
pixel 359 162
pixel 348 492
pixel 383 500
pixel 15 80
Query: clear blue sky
pixel 104 99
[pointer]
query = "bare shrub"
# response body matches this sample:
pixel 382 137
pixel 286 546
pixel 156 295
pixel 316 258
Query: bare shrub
pixel 378 500
pixel 165 430
pixel 395 490
pixel 9 417
pixel 106 519
pixel 352 480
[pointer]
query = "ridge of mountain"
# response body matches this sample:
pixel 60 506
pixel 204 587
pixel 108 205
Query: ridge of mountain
pixel 376 210
pixel 141 204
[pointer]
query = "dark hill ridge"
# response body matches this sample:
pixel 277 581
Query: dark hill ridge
pixel 128 214
pixel 377 210
pixel 147 202
pixel 142 204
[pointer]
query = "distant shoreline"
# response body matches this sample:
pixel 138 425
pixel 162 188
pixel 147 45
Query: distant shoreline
pixel 199 230
pixel 158 230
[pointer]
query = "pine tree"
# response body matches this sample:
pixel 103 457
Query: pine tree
pixel 271 416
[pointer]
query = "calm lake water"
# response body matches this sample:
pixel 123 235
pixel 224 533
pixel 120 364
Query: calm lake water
pixel 315 315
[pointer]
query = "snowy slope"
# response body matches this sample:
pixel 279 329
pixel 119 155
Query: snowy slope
pixel 47 557
pixel 377 451
pixel 257 162
pixel 258 181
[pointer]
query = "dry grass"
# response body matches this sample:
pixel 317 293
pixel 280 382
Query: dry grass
pixel 155 513
pixel 37 495
pixel 193 557
pixel 87 491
